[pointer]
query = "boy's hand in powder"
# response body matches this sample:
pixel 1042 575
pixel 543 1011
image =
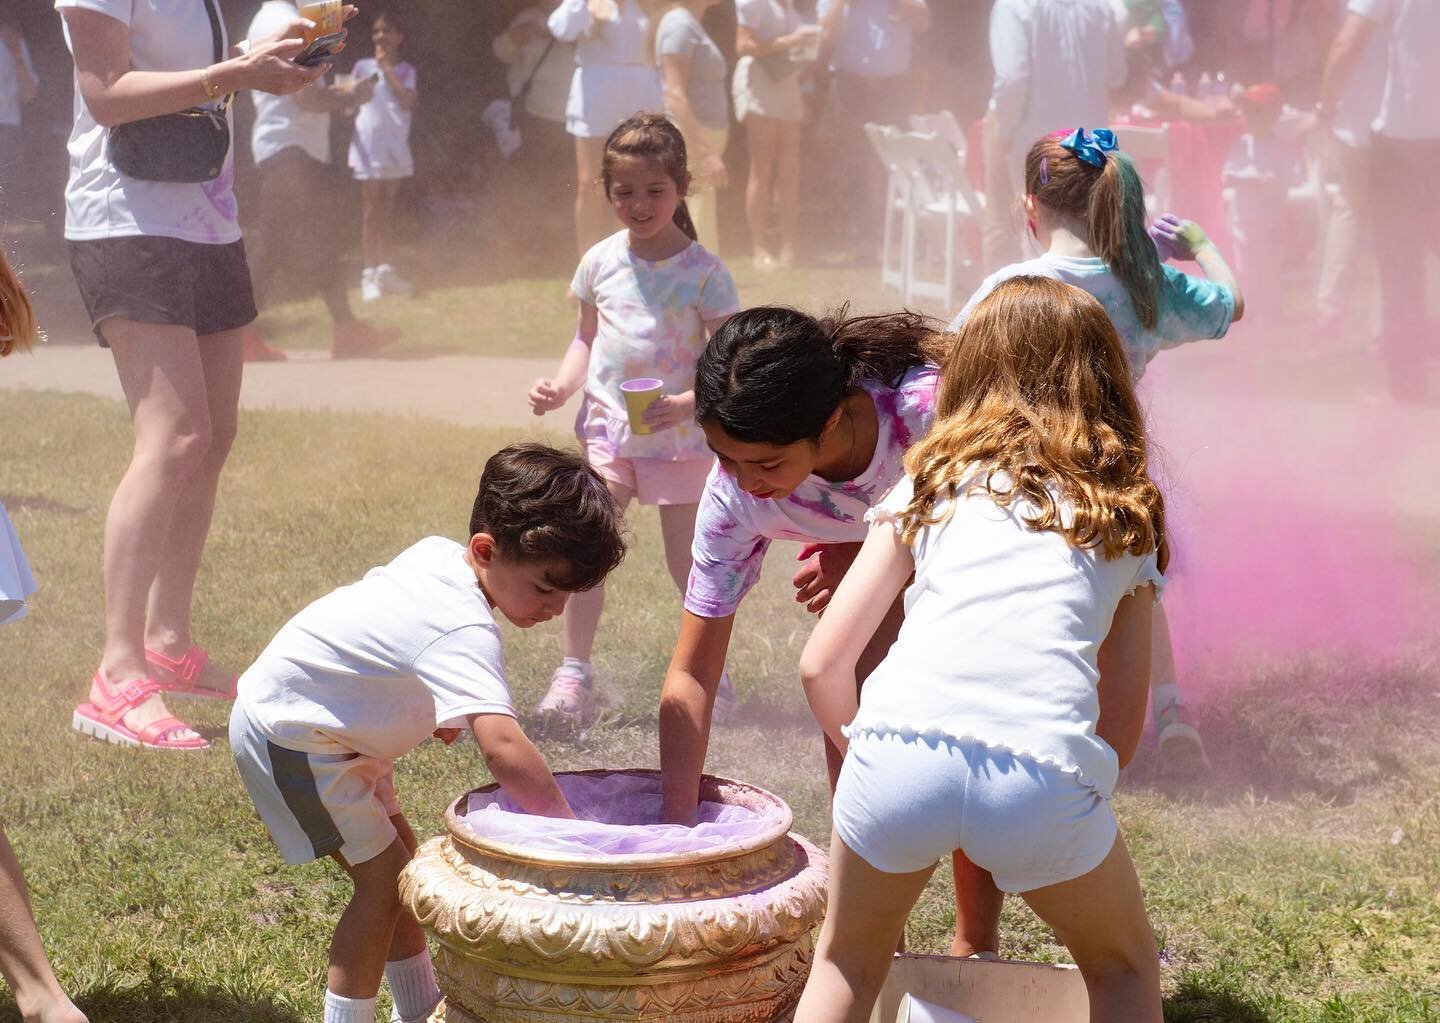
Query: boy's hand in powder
pixel 825 565
pixel 447 735
pixel 670 410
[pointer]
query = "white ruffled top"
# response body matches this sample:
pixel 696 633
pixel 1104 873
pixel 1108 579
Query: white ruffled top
pixel 1003 626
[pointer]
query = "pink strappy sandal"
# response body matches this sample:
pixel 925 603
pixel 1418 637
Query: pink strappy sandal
pixel 106 720
pixel 186 671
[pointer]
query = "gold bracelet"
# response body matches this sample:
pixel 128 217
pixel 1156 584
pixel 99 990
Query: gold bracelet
pixel 211 89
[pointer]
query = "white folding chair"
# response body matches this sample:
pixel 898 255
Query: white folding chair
pixel 894 268
pixel 942 123
pixel 940 194
pixel 1150 149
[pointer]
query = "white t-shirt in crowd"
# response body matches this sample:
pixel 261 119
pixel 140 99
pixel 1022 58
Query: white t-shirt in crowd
pixel 280 122
pixel 733 529
pixel 1191 308
pixel 1410 108
pixel 767 20
pixel 381 141
pixel 1002 634
pixel 1360 101
pixel 375 667
pixel 875 42
pixel 618 42
pixel 1056 64
pixel 10 84
pixel 100 202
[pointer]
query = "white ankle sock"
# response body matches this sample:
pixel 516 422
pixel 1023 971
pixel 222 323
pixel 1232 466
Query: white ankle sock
pixel 412 987
pixel 574 662
pixel 348 1010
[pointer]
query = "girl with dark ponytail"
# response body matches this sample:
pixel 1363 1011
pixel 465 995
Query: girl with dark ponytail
pixel 649 296
pixel 810 420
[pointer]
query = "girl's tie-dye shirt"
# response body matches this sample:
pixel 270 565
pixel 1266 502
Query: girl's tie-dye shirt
pixel 1191 308
pixel 733 529
pixel 651 324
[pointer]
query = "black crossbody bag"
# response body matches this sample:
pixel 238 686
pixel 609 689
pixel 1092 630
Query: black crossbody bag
pixel 189 146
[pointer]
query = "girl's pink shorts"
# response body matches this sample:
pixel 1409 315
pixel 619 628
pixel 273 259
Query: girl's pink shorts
pixel 651 480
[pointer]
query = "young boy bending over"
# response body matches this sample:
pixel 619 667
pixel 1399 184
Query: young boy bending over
pixel 365 674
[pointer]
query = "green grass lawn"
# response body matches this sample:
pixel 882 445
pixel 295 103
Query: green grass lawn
pixel 465 311
pixel 1301 884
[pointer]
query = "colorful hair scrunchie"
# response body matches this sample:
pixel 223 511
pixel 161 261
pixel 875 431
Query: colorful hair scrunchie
pixel 1090 147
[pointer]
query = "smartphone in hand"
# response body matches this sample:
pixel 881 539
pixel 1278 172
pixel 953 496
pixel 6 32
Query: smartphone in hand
pixel 319 51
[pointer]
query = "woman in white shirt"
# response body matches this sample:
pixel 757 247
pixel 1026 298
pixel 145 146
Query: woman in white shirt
pixel 161 269
pixel 613 79
pixel 772 43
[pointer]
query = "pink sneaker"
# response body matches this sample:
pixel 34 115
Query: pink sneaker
pixel 571 697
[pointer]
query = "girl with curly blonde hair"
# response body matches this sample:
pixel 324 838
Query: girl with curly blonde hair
pixel 1000 718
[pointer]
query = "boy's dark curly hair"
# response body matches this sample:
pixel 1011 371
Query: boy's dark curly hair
pixel 541 504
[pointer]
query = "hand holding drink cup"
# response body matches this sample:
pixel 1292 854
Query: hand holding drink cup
pixel 650 410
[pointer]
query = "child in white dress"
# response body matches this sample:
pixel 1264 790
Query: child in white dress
pixel 999 720
pixel 380 156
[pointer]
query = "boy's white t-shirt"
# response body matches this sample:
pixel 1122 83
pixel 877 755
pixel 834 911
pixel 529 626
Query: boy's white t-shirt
pixel 382 126
pixel 280 122
pixel 733 529
pixel 1191 308
pixel 1002 634
pixel 100 202
pixel 375 667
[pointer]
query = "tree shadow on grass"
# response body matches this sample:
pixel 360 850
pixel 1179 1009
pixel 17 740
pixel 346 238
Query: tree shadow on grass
pixel 162 998
pixel 1192 1002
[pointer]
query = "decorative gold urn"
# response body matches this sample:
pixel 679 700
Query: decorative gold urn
pixel 526 936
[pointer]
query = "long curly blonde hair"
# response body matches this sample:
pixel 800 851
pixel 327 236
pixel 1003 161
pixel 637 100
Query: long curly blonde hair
pixel 18 332
pixel 1037 388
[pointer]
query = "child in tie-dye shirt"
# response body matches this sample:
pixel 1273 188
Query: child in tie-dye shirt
pixel 649 296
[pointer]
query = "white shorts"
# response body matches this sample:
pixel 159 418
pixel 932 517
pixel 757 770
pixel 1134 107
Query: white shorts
pixel 316 804
pixel 902 804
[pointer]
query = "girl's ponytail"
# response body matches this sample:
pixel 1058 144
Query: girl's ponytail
pixel 684 222
pixel 772 375
pixel 18 332
pixel 1118 235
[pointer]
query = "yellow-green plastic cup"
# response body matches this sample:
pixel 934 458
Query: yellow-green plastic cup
pixel 640 394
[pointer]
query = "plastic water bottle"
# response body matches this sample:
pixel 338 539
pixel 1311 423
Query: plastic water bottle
pixel 1177 84
pixel 1205 87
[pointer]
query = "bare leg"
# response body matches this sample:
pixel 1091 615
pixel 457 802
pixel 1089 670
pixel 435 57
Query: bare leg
pixel 589 206
pixel 864 922
pixel 977 909
pixel 370 200
pixel 389 197
pixel 1101 919
pixel 677 529
pixel 163 377
pixel 22 958
pixel 407 939
pixel 369 928
pixel 172 594
pixel 762 135
pixel 787 199
pixel 582 611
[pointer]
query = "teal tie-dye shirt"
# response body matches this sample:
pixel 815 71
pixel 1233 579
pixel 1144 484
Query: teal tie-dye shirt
pixel 1190 308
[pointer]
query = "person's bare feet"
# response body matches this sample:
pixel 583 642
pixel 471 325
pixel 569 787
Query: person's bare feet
pixel 55 1009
